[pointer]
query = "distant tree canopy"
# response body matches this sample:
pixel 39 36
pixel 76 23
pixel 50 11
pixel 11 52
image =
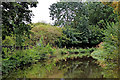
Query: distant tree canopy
pixel 16 16
pixel 81 21
pixel 67 12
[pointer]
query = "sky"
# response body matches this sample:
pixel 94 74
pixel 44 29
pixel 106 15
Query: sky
pixel 41 12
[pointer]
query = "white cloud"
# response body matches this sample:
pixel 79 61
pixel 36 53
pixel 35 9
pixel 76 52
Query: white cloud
pixel 41 12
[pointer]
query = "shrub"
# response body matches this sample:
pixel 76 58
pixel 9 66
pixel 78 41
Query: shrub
pixel 20 58
pixel 72 37
pixel 50 33
pixel 111 41
pixel 9 41
pixel 95 35
pixel 108 52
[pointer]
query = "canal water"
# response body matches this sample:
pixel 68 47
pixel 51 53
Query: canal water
pixel 71 68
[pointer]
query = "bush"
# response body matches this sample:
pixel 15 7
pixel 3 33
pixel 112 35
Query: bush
pixel 108 52
pixel 9 41
pixel 74 38
pixel 20 58
pixel 50 33
pixel 111 41
pixel 68 37
pixel 95 35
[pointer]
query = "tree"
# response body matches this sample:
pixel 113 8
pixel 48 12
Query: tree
pixel 64 13
pixel 16 18
pixel 67 12
pixel 99 14
pixel 80 16
pixel 115 4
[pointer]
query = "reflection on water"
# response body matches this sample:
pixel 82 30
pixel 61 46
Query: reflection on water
pixel 71 68
pixel 85 70
pixel 81 69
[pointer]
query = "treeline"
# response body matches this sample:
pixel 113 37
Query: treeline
pixel 83 23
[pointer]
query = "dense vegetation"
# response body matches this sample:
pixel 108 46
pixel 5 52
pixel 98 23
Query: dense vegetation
pixel 16 16
pixel 82 31
pixel 83 22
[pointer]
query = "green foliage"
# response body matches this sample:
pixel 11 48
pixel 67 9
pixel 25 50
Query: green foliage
pixel 95 35
pixel 69 37
pixel 108 52
pixel 62 12
pixel 83 22
pixel 65 13
pixel 111 41
pixel 75 38
pixel 73 53
pixel 9 41
pixel 100 13
pixel 15 19
pixel 84 25
pixel 20 58
pixel 50 33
